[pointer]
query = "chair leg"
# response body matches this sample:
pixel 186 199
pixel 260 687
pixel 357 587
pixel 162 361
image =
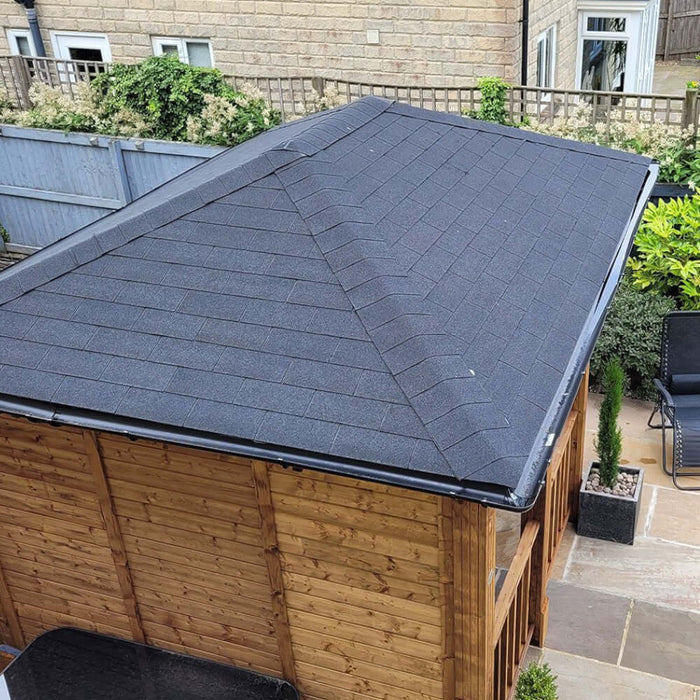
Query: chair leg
pixel 657 408
pixel 678 458
pixel 663 446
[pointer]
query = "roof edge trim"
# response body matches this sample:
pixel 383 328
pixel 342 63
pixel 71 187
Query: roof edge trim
pixel 486 494
pixel 527 492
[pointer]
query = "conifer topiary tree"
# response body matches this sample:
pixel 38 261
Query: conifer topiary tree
pixel 609 441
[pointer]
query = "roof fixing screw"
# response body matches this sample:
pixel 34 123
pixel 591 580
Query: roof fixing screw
pixel 138 144
pixel 94 141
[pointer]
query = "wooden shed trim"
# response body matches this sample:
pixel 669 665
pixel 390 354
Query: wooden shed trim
pixel 268 529
pixel 114 535
pixel 10 613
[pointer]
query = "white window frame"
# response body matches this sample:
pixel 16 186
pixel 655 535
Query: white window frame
pixel 14 34
pixel 549 35
pixel 632 13
pixel 181 43
pixel 62 42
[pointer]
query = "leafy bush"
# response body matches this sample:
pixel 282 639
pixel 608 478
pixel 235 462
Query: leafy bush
pixel 608 444
pixel 4 235
pixel 632 332
pixel 493 101
pixel 168 94
pixel 537 682
pixel 159 98
pixel 666 256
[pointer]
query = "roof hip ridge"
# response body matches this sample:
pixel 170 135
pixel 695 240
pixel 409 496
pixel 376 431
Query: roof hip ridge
pixel 439 383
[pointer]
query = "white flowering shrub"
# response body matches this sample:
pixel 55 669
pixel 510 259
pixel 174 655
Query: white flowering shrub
pixel 667 143
pixel 159 98
pixel 226 122
pixel 329 100
pixel 52 109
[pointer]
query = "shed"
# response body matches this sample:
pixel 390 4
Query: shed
pixel 266 413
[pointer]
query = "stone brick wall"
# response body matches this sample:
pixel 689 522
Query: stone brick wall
pixel 563 14
pixel 432 42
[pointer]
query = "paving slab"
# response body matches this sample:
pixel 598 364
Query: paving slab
pixel 586 679
pixel 567 542
pixel 665 642
pixel 586 622
pixel 676 517
pixel 650 570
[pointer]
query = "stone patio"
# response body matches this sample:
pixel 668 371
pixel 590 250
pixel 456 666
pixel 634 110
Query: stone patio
pixel 670 77
pixel 625 621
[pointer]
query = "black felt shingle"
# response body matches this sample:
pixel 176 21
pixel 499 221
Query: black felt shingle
pixel 378 284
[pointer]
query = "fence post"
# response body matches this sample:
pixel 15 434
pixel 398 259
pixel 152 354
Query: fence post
pixel 21 79
pixel 319 85
pixel 690 111
pixel 669 25
pixel 123 185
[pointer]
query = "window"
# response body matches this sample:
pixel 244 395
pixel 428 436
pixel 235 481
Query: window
pixel 20 42
pixel 81 46
pixel 608 50
pixel 196 52
pixel 546 52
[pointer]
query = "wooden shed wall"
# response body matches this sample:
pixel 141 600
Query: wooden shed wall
pixel 343 586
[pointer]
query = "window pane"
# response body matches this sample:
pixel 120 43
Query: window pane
pixel 169 49
pixel 540 63
pixel 198 54
pixel 23 46
pixel 603 65
pixel 606 24
pixel 78 54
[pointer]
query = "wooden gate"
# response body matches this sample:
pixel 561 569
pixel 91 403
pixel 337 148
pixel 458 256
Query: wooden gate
pixel 679 29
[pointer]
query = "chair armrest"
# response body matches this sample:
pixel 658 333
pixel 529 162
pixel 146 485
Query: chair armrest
pixel 661 388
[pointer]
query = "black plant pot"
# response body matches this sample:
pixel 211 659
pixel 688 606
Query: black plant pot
pixel 606 516
pixel 669 190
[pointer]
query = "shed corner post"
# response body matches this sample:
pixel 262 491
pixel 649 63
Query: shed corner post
pixel 578 438
pixel 474 557
pixel 263 494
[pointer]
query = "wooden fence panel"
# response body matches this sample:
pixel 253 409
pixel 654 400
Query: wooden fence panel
pixel 679 29
pixel 53 183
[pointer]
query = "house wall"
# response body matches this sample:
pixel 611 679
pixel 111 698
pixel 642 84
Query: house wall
pixel 428 41
pixel 343 586
pixel 563 14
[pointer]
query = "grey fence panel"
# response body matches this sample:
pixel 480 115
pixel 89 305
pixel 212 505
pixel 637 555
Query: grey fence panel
pixel 148 166
pixel 52 183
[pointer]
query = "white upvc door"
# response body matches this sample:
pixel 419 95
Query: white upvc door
pixel 616 44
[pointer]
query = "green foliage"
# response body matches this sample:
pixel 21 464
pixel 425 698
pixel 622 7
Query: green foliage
pixel 632 332
pixel 159 98
pixel 609 441
pixel 537 682
pixel 225 122
pixel 164 91
pixel 666 256
pixel 493 101
pixel 4 235
pixel 679 163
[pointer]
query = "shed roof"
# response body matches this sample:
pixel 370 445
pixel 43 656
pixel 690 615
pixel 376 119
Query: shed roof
pixel 378 290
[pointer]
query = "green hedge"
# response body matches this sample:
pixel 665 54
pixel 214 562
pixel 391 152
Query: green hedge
pixel 632 332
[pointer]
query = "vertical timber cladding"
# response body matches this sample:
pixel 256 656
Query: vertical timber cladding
pixel 221 557
pixel 55 555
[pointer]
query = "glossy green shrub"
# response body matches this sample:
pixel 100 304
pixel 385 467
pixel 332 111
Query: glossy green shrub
pixel 666 256
pixel 537 682
pixel 632 332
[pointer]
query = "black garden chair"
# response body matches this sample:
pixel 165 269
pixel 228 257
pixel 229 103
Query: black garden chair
pixel 679 394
